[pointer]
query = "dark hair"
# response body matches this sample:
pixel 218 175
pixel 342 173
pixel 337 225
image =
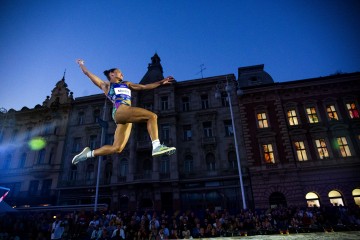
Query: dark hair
pixel 107 72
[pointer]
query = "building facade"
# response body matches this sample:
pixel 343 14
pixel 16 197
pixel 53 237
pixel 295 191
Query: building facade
pixel 302 138
pixel 290 151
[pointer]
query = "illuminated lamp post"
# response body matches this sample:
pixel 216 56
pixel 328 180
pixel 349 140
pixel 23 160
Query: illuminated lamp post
pixel 228 86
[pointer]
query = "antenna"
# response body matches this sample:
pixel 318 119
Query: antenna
pixel 202 68
pixel 64 74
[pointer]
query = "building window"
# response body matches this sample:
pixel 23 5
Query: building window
pixel 188 164
pixel 207 129
pixel 210 162
pixel 343 146
pixel 232 160
pixel 124 166
pixel 7 161
pixel 335 198
pixel 148 106
pixel 165 132
pixel 22 160
pixel 185 104
pixel 224 99
pixel 76 144
pixel 108 173
pixel 356 195
pixel 312 199
pixel 73 173
pixel 46 187
pixel 147 167
pixel 312 115
pixel 352 109
pixel 300 151
pixel 164 164
pixel 229 131
pixel 187 132
pixel 90 172
pixel 331 112
pixel 204 101
pixel 33 187
pixel 96 115
pixel 322 148
pixel 262 120
pixel 268 152
pixel 92 141
pixel 292 117
pixel 81 118
pixel 41 157
pixel 164 103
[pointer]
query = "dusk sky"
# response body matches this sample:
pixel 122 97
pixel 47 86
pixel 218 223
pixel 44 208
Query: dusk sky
pixel 294 39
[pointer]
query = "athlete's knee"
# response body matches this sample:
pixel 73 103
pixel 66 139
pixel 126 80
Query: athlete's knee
pixel 153 116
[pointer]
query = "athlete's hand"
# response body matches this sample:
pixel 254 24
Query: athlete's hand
pixel 167 80
pixel 80 61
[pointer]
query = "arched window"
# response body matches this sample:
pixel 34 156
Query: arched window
pixel 277 199
pixel 336 198
pixel 356 195
pixel 210 162
pixel 312 199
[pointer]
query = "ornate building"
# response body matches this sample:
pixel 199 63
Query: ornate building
pixel 298 142
pixel 302 138
pixel 32 174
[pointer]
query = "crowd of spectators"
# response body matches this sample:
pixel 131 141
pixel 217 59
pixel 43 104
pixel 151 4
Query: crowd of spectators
pixel 154 225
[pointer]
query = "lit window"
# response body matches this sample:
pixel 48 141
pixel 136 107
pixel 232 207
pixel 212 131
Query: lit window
pixel 268 153
pixel 336 198
pixel 292 117
pixel 312 115
pixel 331 111
pixel 356 195
pixel 321 148
pixel 312 199
pixel 353 111
pixel 262 120
pixel 300 151
pixel 343 147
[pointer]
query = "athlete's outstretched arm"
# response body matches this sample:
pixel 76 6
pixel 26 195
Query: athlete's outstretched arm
pixel 95 79
pixel 137 87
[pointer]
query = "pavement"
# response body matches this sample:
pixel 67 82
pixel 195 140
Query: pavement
pixel 351 235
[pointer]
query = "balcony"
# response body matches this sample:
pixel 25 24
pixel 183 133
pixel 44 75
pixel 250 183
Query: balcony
pixel 143 145
pixel 208 141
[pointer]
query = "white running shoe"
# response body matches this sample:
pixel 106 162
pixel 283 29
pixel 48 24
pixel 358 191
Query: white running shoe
pixel 162 149
pixel 81 156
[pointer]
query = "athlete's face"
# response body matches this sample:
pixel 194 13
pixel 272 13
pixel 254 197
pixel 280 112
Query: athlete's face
pixel 116 76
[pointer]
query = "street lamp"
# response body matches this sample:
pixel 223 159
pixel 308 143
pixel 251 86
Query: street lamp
pixel 228 88
pixel 103 124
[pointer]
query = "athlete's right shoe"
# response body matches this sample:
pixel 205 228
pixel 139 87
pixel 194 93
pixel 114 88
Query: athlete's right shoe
pixel 81 156
pixel 162 149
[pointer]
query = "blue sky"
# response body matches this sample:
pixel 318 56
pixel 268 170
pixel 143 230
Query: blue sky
pixel 295 39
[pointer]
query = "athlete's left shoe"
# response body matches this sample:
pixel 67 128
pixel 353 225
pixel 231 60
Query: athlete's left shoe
pixel 81 156
pixel 162 149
